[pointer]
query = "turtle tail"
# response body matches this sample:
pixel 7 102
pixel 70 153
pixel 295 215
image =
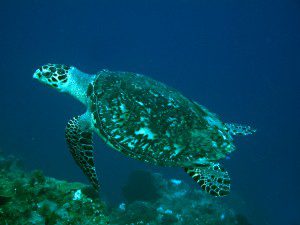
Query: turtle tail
pixel 241 130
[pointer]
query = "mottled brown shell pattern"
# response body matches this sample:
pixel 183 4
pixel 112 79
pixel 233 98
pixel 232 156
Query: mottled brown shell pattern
pixel 149 121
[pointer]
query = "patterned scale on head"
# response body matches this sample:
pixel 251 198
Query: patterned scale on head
pixel 54 75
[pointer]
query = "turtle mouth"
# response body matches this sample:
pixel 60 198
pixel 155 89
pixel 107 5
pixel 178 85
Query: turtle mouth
pixel 37 74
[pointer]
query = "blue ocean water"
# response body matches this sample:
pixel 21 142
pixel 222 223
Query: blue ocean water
pixel 241 59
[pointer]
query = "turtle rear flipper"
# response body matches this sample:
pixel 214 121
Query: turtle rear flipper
pixel 212 178
pixel 79 140
pixel 237 129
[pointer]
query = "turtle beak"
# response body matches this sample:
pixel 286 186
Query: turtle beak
pixel 36 74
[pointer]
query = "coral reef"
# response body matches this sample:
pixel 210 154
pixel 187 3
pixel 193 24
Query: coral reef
pixel 177 204
pixel 32 198
pixel 150 199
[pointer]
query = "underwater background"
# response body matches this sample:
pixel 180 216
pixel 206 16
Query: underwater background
pixel 241 59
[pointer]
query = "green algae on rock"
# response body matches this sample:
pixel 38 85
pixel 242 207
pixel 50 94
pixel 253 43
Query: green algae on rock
pixel 32 198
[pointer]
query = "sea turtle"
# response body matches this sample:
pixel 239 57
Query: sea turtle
pixel 145 120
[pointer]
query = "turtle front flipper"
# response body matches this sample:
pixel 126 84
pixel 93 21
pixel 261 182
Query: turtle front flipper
pixel 79 140
pixel 212 178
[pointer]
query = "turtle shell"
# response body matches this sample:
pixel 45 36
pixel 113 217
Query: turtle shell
pixel 149 121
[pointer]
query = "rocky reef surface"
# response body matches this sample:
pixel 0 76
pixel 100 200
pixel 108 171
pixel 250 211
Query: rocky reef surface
pixel 32 198
pixel 149 199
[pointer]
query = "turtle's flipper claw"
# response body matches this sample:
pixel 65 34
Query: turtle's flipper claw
pixel 79 140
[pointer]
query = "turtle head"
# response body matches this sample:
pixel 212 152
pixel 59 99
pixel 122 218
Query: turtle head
pixel 54 75
pixel 67 79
